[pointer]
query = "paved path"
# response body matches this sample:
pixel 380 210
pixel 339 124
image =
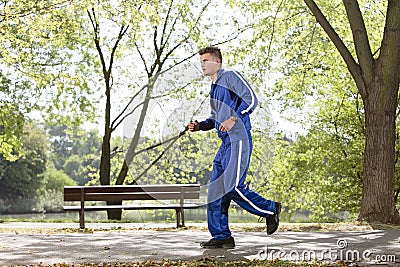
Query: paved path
pixel 49 244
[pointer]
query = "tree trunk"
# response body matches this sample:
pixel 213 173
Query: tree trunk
pixel 105 164
pixel 122 173
pixel 379 156
pixel 105 167
pixel 105 159
pixel 135 140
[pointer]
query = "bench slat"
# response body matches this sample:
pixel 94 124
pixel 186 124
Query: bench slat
pixel 133 188
pixel 134 192
pixel 131 196
pixel 137 207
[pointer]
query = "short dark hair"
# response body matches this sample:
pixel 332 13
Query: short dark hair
pixel 213 50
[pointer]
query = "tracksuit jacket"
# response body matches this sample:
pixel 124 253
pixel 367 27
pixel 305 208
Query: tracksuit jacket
pixel 231 95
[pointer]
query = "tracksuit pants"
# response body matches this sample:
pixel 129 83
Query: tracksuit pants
pixel 227 183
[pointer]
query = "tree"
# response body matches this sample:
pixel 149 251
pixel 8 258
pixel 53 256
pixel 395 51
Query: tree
pixel 56 180
pixel 377 79
pixel 11 125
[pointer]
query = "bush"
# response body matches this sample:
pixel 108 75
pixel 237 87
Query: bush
pixel 4 207
pixel 48 198
pixel 56 180
pixel 49 201
pixel 51 197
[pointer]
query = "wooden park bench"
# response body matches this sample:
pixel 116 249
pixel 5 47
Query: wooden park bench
pixel 177 193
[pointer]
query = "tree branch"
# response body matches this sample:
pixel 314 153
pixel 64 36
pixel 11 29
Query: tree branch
pixel 188 35
pixel 143 59
pixel 157 50
pixel 172 140
pixel 360 37
pixel 273 29
pixel 162 42
pixel 390 46
pixel 127 105
pixel 96 31
pixel 121 33
pixel 352 65
pixel 113 127
pixel 138 105
pixel 161 143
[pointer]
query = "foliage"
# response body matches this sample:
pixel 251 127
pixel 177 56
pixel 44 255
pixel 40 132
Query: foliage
pixel 61 144
pixel 50 196
pixel 164 36
pixel 74 152
pixel 324 167
pixel 49 63
pixel 13 106
pixel 43 66
pixel 56 180
pixel 315 89
pixel 21 179
pixel 314 176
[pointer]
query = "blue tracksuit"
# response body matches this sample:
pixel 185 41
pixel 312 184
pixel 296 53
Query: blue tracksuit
pixel 231 95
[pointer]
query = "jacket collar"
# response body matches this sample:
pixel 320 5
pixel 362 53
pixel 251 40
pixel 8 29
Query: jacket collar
pixel 220 72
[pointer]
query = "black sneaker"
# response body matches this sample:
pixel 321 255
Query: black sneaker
pixel 214 243
pixel 273 220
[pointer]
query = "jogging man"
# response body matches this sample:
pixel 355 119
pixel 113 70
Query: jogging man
pixel 232 101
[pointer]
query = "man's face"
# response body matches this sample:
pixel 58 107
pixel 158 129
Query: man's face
pixel 210 64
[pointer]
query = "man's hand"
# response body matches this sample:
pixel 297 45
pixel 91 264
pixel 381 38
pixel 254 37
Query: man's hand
pixel 194 126
pixel 227 125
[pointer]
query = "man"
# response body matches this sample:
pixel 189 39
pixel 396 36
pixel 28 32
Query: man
pixel 232 101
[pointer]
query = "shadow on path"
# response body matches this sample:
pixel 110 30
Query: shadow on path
pixel 140 245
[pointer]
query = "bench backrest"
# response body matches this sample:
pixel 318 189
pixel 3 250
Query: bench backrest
pixel 132 192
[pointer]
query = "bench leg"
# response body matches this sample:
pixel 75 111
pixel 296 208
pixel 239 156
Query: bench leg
pixel 82 210
pixel 180 218
pixel 82 219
